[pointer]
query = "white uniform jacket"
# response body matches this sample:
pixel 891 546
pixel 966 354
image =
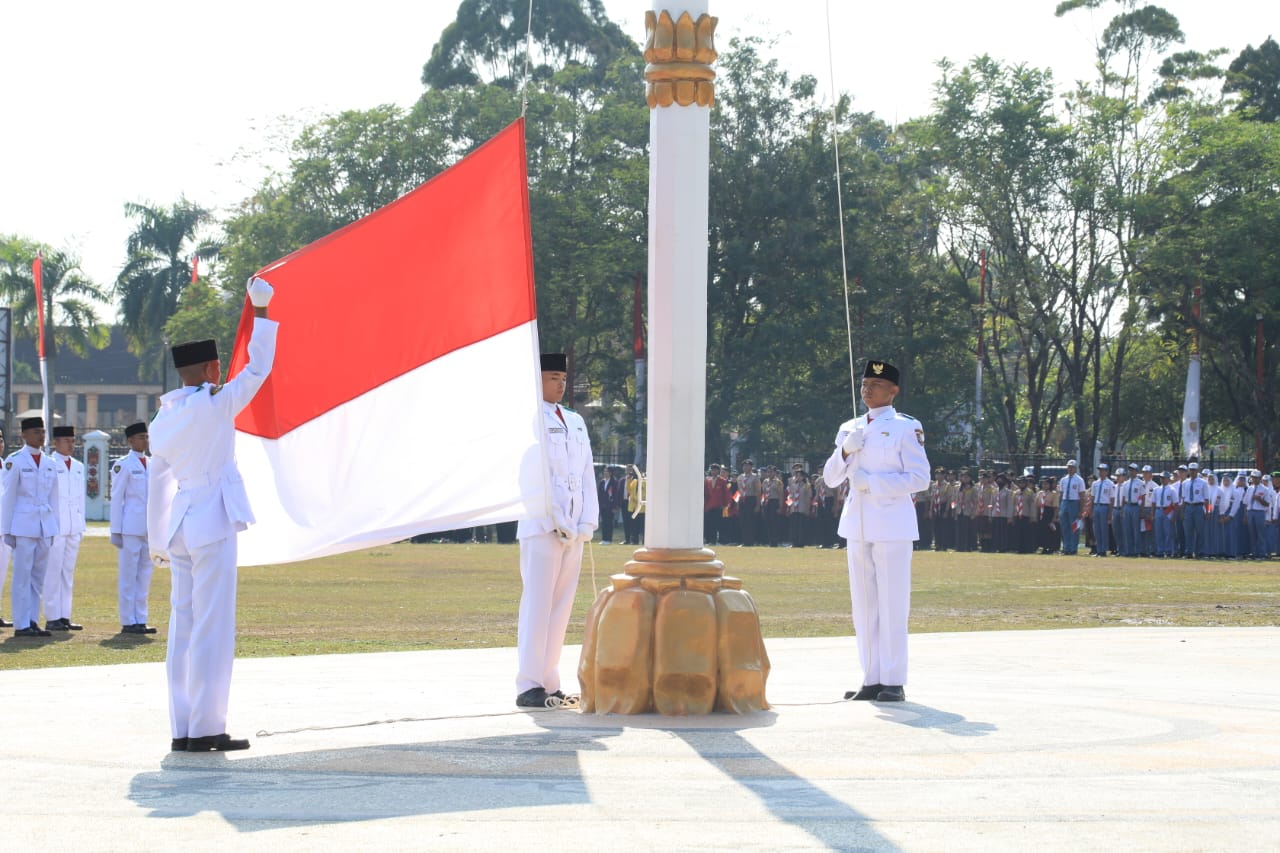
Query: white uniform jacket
pixel 194 479
pixel 129 480
pixel 70 506
pixel 895 465
pixel 575 506
pixel 30 495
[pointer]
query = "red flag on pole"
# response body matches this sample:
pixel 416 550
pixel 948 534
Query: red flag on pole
pixel 37 274
pixel 195 268
pixel 414 329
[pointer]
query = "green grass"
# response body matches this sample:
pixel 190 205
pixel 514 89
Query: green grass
pixel 406 596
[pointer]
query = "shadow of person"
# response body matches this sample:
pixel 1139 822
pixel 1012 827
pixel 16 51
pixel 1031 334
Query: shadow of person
pixel 128 641
pixel 527 769
pixel 919 716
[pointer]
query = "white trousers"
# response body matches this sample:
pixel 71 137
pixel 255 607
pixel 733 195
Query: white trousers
pixel 880 585
pixel 134 567
pixel 5 553
pixel 61 576
pixel 202 635
pixel 30 560
pixel 549 568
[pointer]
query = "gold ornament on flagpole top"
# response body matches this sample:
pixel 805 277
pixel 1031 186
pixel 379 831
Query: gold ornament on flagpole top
pixel 680 54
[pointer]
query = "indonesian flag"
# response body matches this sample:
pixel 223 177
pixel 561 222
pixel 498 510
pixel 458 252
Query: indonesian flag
pixel 405 393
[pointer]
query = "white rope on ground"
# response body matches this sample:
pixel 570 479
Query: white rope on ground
pixel 844 263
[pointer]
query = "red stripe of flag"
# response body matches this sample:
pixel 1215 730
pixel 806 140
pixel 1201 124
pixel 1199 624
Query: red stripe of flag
pixel 37 274
pixel 448 265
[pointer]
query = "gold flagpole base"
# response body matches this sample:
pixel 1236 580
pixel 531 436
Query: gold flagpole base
pixel 673 634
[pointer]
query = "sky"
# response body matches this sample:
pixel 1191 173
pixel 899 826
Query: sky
pixel 153 100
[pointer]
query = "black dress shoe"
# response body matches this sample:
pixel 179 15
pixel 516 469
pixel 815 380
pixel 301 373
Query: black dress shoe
pixel 4 624
pixel 891 693
pixel 60 625
pixel 534 697
pixel 145 629
pixel 215 743
pixel 68 625
pixel 32 631
pixel 868 691
pixel 130 629
pixel 178 744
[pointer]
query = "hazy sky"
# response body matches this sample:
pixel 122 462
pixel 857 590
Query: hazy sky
pixel 145 100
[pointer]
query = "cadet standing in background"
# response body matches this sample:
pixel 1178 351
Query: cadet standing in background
pixel 130 481
pixel 60 578
pixel 28 524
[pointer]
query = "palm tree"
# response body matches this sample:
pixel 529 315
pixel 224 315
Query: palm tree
pixel 69 297
pixel 158 268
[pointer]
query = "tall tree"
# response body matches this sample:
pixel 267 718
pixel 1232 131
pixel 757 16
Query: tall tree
pixel 70 298
pixel 1255 76
pixel 158 268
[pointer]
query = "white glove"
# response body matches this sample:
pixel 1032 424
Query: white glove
pixel 854 441
pixel 10 540
pixel 260 292
pixel 117 539
pixel 860 480
pixel 585 532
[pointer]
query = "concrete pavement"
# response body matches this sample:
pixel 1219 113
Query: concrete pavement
pixel 1122 739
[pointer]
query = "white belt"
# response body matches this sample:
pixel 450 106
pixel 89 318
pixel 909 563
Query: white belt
pixel 573 482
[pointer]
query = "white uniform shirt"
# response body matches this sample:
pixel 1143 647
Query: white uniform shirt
pixel 71 495
pixel 129 481
pixel 1104 492
pixel 30 495
pixel 1194 491
pixel 575 506
pixel 194 479
pixel 1071 487
pixel 895 465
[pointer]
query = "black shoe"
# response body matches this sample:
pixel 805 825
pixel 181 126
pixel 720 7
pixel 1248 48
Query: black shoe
pixel 68 625
pixel 891 693
pixel 32 632
pixel 178 744
pixel 868 691
pixel 534 697
pixel 214 743
pixel 54 625
pixel 145 629
pixel 4 624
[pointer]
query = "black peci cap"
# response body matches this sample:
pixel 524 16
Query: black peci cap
pixel 140 428
pixel 556 361
pixel 880 370
pixel 195 352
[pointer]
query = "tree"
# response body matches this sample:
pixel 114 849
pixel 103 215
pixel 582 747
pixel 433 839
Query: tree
pixel 1255 76
pixel 158 269
pixel 69 297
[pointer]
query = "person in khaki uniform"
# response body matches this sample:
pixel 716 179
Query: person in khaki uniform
pixel 881 455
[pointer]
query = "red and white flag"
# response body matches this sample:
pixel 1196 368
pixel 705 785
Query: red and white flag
pixel 405 394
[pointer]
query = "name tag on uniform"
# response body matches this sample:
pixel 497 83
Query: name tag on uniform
pixel 557 429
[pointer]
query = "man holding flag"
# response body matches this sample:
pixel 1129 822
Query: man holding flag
pixel 195 507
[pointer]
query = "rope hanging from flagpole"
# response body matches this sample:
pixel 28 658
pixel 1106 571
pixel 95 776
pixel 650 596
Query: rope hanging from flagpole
pixel 844 263
pixel 528 49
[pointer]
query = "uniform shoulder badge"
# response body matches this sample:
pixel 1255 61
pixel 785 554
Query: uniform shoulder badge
pixel 920 437
pixel 115 470
pixel 214 389
pixel 8 465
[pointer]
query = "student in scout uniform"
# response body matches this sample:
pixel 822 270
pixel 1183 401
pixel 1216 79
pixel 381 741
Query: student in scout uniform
pixel 28 523
pixel 60 577
pixel 130 479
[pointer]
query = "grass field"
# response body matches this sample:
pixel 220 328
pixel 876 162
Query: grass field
pixel 407 596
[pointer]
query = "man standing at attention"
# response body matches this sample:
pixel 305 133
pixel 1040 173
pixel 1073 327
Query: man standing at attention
pixel 61 575
pixel 882 456
pixel 1070 490
pixel 749 487
pixel 551 547
pixel 129 483
pixel 196 504
pixel 28 524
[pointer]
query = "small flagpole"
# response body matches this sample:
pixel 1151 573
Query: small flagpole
pixel 37 276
